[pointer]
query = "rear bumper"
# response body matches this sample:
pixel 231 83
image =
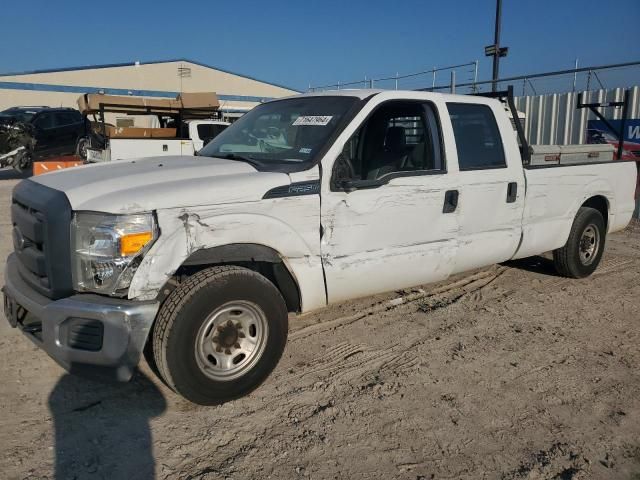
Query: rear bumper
pixel 85 332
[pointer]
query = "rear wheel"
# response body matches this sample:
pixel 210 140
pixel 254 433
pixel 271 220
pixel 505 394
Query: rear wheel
pixel 220 334
pixel 582 253
pixel 81 147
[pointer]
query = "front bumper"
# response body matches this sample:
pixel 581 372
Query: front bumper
pixel 84 333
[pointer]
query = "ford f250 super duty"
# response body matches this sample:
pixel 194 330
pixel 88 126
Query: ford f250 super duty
pixel 303 202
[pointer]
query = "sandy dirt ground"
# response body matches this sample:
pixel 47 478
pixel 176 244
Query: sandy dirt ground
pixel 505 373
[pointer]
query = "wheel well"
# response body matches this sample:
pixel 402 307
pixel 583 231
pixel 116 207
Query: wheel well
pixel 261 259
pixel 601 204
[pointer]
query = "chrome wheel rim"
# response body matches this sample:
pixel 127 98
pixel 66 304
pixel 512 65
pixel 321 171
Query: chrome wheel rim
pixel 589 244
pixel 231 340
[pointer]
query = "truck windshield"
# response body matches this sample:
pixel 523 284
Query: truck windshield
pixel 288 131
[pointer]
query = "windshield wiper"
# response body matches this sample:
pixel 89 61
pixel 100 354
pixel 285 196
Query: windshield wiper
pixel 250 160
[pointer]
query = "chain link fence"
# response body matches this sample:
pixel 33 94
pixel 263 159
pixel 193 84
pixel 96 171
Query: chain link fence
pixel 466 72
pixel 610 76
pixel 463 78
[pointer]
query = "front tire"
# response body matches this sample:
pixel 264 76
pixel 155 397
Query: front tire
pixel 220 334
pixel 23 163
pixel 582 253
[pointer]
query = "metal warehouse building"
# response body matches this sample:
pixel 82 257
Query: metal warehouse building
pixel 164 79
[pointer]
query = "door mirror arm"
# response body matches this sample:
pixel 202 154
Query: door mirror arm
pixel 348 185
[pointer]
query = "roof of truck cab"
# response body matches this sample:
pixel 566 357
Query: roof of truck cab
pixel 345 92
pixel 368 92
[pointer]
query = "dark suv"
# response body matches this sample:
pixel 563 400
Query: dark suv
pixel 56 130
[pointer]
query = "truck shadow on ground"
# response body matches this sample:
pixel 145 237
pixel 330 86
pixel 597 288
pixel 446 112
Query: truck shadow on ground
pixel 102 430
pixel 536 264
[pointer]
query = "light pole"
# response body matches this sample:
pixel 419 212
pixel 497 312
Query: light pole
pixel 495 50
pixel 496 41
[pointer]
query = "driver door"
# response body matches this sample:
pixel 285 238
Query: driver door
pixel 385 221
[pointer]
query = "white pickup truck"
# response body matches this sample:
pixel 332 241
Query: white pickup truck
pixel 303 202
pixel 198 134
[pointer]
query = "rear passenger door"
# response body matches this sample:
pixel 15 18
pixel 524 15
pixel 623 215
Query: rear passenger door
pixel 67 131
pixel 46 139
pixel 384 225
pixel 491 186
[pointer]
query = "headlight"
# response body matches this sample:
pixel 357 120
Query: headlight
pixel 106 249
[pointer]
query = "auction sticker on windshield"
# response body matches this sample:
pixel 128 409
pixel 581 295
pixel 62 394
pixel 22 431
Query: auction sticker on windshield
pixel 320 120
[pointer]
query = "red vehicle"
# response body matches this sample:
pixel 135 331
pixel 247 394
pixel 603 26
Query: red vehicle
pixel 630 150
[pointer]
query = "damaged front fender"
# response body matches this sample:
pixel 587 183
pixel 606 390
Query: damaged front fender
pixel 187 231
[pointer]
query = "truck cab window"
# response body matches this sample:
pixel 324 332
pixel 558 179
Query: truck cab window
pixel 208 132
pixel 397 137
pixel 478 140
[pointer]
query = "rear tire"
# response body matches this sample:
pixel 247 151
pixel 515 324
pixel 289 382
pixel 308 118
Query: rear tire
pixel 81 147
pixel 220 334
pixel 582 253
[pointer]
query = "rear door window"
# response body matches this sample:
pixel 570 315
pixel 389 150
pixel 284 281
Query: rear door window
pixel 65 118
pixel 478 140
pixel 44 121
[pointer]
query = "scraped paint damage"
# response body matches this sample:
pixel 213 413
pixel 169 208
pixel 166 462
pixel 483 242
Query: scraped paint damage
pixel 287 225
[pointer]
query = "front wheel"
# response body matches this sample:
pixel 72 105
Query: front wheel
pixel 220 334
pixel 582 253
pixel 23 162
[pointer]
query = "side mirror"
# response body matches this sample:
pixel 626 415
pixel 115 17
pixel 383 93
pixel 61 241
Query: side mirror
pixel 343 174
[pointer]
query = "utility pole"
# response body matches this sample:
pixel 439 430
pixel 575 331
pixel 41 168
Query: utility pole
pixel 495 50
pixel 496 42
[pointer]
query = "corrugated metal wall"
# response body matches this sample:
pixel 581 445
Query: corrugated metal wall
pixel 553 119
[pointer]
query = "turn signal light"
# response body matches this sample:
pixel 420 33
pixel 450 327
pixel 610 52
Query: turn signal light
pixel 134 242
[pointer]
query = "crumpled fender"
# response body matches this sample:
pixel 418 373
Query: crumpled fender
pixel 187 230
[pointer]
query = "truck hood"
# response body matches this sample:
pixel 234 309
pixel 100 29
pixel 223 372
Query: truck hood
pixel 161 182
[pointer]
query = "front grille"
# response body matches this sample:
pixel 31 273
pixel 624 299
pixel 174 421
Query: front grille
pixel 29 241
pixel 41 217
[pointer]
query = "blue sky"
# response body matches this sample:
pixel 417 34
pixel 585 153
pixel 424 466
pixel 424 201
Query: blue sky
pixel 300 42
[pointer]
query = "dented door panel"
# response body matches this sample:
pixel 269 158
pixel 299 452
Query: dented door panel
pixel 390 237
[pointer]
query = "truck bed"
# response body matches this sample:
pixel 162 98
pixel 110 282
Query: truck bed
pixel 554 192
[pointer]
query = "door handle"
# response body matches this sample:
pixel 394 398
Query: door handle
pixel 512 192
pixel 450 201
